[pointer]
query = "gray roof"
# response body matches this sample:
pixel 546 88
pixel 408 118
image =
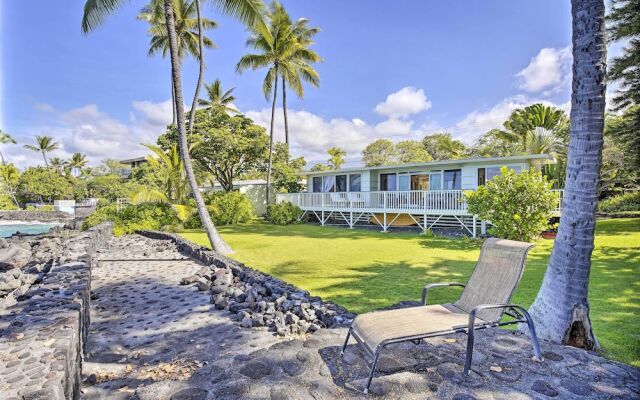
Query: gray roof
pixel 544 157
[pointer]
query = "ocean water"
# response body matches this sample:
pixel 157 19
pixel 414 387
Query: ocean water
pixel 8 228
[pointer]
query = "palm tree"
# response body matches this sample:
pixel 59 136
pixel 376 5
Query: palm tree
pixel 58 165
pixel 561 309
pixel 336 157
pixel 303 69
pixel 170 168
pixel 77 162
pixel 10 175
pixel 217 98
pixel 249 12
pixel 5 138
pixel 281 53
pixel 44 145
pixel 187 20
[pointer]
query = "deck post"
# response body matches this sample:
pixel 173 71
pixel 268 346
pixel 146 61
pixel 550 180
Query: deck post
pixel 483 228
pixel 424 210
pixel 474 226
pixel 384 211
pixel 350 219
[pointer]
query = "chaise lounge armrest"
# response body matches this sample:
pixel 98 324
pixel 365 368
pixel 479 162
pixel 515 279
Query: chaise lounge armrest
pixel 434 285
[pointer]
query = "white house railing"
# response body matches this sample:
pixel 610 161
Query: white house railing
pixel 414 201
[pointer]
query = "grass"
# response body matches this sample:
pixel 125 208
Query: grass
pixel 365 270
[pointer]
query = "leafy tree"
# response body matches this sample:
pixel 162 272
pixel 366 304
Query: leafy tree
pixel 518 205
pixel 9 178
pixel 216 98
pixel 442 146
pixel 624 24
pixel 379 152
pixel 320 167
pixel 5 138
pixel 58 165
pixel 412 151
pixel 229 145
pixel 336 157
pixel 286 169
pixel 44 145
pixel 524 120
pixel 169 166
pixel 109 187
pixel 621 157
pixel 247 11
pixel 37 184
pixel 494 144
pixel 186 25
pixel 561 309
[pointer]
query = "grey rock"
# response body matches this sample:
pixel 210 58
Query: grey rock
pixel 544 388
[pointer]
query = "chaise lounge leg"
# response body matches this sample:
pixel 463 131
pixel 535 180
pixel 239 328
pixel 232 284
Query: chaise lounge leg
pixel 469 354
pixel 373 370
pixel 346 341
pixel 534 337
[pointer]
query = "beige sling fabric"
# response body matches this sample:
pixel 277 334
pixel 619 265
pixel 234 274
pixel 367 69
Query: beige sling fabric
pixel 375 327
pixel 495 276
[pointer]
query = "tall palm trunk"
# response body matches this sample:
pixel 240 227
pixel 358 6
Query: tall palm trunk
pixel 217 243
pixel 561 309
pixel 173 103
pixel 284 108
pixel 192 113
pixel 46 162
pixel 273 115
pixel 2 157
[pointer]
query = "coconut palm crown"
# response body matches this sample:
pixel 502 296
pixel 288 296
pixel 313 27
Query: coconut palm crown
pixel 44 145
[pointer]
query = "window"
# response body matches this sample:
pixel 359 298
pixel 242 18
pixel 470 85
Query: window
pixel 317 184
pixel 329 183
pixel 341 183
pixel 452 179
pixel 481 176
pixel 355 183
pixel 492 172
pixel 403 182
pixel 388 181
pixel 420 182
pixel 435 180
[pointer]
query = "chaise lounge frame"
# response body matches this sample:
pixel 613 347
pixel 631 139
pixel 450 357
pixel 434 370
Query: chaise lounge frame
pixel 518 313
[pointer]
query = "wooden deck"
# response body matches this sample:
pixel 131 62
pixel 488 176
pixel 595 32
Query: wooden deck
pixel 432 208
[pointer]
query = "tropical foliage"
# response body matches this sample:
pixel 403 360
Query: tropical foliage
pixel 5 138
pixel 518 205
pixel 44 145
pixel 148 216
pixel 38 185
pixel 336 157
pixel 216 97
pixel 629 201
pixel 284 213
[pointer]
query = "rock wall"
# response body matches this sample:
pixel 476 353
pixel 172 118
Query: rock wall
pixel 43 216
pixel 42 336
pixel 255 298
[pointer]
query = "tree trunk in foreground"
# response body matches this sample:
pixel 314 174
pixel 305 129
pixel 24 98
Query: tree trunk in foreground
pixel 273 114
pixel 217 243
pixel 284 108
pixel 561 309
pixel 192 113
pixel 173 103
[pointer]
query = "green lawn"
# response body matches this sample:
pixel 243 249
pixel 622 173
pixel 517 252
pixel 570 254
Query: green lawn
pixel 365 270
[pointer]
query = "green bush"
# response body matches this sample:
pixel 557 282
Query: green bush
pixel 518 205
pixel 629 201
pixel 6 203
pixel 284 213
pixel 147 216
pixel 229 208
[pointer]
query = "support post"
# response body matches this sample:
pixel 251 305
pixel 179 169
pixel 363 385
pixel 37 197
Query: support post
pixel 483 228
pixel 474 226
pixel 384 213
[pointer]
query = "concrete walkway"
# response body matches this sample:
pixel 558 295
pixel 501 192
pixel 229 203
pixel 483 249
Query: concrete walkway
pixel 151 338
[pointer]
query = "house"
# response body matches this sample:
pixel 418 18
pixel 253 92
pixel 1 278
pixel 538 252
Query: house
pixel 426 195
pixel 131 163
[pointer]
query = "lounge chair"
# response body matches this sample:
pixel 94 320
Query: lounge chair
pixel 484 300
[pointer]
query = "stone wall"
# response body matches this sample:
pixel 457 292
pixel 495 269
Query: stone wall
pixel 42 336
pixel 254 298
pixel 43 216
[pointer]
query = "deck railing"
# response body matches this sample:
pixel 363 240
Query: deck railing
pixel 414 201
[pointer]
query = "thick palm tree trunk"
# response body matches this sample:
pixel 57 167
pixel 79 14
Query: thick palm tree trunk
pixel 217 243
pixel 561 309
pixel 273 115
pixel 192 113
pixel 284 108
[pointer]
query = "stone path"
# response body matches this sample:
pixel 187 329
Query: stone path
pixel 151 338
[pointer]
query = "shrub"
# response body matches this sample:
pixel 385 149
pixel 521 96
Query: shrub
pixel 147 216
pixel 284 213
pixel 518 205
pixel 228 208
pixel 629 201
pixel 6 203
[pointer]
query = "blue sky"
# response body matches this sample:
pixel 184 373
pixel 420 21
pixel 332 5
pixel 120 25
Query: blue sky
pixel 391 69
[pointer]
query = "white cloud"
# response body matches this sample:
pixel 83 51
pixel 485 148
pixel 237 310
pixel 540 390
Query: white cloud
pixel 403 103
pixel 394 127
pixel 549 70
pixel 90 131
pixel 44 107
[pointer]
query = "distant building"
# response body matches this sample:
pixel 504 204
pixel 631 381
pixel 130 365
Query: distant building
pixel 131 163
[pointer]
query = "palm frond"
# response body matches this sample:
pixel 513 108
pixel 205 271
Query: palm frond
pixel 95 12
pixel 148 195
